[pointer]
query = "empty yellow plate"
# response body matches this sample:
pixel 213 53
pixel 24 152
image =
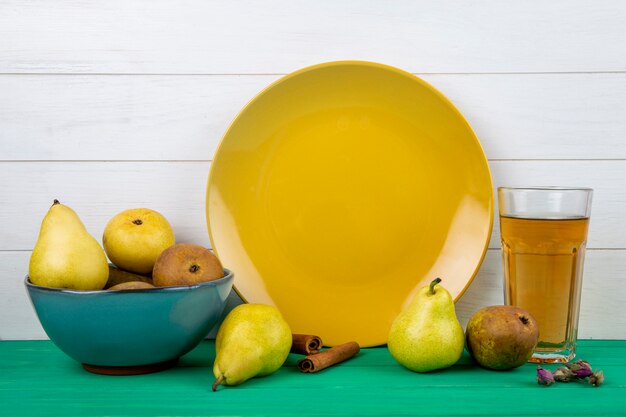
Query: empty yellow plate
pixel 340 190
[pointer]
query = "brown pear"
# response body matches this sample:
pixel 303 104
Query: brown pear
pixel 186 264
pixel 118 276
pixel 131 285
pixel 502 337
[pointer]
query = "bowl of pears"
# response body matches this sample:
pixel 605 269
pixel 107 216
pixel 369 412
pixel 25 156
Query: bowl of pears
pixel 149 303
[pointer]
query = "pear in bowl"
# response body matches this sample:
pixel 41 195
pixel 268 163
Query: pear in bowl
pixel 131 285
pixel 130 331
pixel 186 264
pixel 134 238
pixel 66 255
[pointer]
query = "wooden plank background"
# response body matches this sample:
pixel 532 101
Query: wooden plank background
pixel 111 105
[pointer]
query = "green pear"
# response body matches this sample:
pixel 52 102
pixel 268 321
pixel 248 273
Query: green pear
pixel 253 340
pixel 66 255
pixel 427 335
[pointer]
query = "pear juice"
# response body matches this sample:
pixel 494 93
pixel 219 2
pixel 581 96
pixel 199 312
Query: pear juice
pixel 543 262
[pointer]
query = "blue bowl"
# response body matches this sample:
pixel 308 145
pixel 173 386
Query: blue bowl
pixel 130 331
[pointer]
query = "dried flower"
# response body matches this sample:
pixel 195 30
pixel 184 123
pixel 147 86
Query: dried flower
pixel 544 377
pixel 582 369
pixel 579 370
pixel 564 374
pixel 596 378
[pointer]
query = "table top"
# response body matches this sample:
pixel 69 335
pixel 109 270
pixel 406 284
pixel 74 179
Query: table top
pixel 38 379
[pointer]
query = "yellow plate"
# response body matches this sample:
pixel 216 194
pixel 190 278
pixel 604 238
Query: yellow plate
pixel 340 190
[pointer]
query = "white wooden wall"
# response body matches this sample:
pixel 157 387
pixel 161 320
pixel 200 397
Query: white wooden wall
pixel 108 105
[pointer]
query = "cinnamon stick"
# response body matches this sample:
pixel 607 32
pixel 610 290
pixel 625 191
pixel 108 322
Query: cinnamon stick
pixel 306 344
pixel 328 357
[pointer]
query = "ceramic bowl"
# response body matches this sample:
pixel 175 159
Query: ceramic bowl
pixel 130 331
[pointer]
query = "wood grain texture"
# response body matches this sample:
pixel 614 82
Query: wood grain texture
pixel 99 190
pixel 102 117
pixel 17 315
pixel 602 312
pixel 602 316
pixel 112 105
pixel 279 36
pixel 119 117
pixel 38 375
pixel 607 178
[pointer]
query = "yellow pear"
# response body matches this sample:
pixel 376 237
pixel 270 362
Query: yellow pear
pixel 427 335
pixel 253 340
pixel 66 255
pixel 134 238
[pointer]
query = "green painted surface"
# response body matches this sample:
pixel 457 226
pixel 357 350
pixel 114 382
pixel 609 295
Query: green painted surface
pixel 38 379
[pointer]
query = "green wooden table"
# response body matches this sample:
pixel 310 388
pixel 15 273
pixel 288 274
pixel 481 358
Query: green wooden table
pixel 38 379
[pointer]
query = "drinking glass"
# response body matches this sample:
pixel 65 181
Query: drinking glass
pixel 544 235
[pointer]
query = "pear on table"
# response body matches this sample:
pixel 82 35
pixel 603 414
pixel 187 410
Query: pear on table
pixel 427 335
pixel 253 340
pixel 502 337
pixel 66 255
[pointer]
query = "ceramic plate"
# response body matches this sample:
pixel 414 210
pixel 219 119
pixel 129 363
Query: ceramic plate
pixel 343 188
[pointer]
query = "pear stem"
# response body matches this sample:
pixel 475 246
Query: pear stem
pixel 217 382
pixel 432 285
pixel 55 202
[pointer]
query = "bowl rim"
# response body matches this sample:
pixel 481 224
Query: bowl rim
pixel 178 288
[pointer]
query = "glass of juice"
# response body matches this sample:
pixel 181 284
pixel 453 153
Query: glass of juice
pixel 544 235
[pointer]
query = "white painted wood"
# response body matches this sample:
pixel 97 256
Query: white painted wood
pixel 117 104
pixel 278 36
pixel 106 117
pixel 602 315
pixel 607 228
pixel 101 117
pixel 17 316
pixel 602 311
pixel 99 190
